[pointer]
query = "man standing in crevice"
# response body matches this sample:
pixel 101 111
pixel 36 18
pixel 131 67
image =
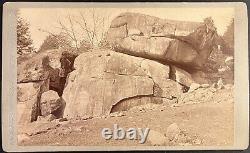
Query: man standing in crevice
pixel 67 63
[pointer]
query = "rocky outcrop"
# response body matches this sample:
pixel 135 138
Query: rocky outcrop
pixel 37 74
pixel 140 69
pixel 32 69
pixel 28 97
pixel 181 44
pixel 134 34
pixel 103 79
pixel 33 78
pixel 216 93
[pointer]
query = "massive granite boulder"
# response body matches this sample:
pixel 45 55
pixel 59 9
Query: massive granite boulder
pixel 186 45
pixel 105 79
pixel 132 32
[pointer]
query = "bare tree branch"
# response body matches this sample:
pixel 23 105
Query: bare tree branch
pixel 89 32
pixel 64 28
pixel 73 32
pixel 92 25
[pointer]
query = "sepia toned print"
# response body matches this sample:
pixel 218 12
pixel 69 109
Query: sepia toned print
pixel 125 76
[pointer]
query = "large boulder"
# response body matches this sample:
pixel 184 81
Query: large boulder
pixel 28 96
pixel 132 33
pixel 104 78
pixel 186 45
pixel 51 104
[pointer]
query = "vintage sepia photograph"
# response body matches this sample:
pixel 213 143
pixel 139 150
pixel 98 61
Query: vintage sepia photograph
pixel 125 76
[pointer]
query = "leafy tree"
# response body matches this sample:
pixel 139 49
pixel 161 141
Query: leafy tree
pixel 24 41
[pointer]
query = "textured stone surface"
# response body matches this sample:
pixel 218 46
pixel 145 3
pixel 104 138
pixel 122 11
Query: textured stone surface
pixel 28 96
pixel 183 77
pixel 32 69
pixel 22 138
pixel 50 103
pixel 132 33
pixel 172 132
pixel 156 138
pixel 105 78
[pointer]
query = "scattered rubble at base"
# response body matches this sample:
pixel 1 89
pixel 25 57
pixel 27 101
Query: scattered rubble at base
pixel 173 136
pixel 156 138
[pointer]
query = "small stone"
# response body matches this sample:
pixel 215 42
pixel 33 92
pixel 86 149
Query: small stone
pixel 156 138
pixel 22 137
pixel 172 132
pixel 86 117
pixel 229 59
pixel 193 87
pixel 197 141
pixel 141 109
pixel 62 119
pixel 220 84
pixel 175 105
pixel 65 131
pixel 40 118
pixel 213 89
pixel 214 85
pixel 117 114
pixel 65 122
pixel 104 116
pixel 78 128
pixel 47 118
pixel 223 69
pixel 50 117
pixel 205 85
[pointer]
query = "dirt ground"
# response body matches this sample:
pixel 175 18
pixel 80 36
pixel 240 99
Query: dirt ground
pixel 211 123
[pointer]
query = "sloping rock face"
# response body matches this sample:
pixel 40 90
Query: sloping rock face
pixel 32 69
pixel 36 74
pixel 131 33
pixel 181 44
pixel 104 78
pixel 28 97
pixel 33 78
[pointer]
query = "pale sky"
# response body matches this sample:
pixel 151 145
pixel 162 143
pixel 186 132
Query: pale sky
pixel 47 18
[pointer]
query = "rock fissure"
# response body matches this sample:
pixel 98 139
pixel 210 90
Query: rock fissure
pixel 129 102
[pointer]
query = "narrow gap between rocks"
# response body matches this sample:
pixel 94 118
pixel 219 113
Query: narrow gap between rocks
pixel 58 77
